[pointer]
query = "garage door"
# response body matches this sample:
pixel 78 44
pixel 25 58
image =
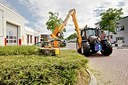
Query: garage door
pixel 11 34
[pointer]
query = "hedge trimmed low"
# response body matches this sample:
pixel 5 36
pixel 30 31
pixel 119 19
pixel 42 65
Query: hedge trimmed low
pixel 18 50
pixel 41 70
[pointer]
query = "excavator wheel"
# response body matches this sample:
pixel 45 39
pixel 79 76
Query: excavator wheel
pixel 86 49
pixel 106 48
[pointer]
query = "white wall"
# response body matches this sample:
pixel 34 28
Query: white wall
pixel 9 16
pixel 30 31
pixel 1 22
pixel 124 33
pixel 1 29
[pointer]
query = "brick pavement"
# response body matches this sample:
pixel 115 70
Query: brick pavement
pixel 111 70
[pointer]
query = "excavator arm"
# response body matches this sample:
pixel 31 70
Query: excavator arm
pixel 59 29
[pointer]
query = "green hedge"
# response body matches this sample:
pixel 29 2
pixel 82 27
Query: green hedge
pixel 18 50
pixel 40 70
pixel 62 45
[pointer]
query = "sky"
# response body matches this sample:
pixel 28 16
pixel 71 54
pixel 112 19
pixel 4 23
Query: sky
pixel 36 14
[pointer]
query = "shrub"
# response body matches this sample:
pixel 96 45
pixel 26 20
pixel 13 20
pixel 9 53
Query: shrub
pixel 18 50
pixel 40 70
pixel 62 45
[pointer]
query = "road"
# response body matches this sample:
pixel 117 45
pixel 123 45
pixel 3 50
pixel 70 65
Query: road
pixel 109 70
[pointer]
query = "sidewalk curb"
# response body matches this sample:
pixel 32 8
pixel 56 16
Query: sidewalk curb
pixel 93 80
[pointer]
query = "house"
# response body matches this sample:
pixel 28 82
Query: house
pixel 13 30
pixel 121 31
pixel 11 27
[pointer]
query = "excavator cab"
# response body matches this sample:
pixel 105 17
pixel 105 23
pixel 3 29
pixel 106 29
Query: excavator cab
pixel 90 33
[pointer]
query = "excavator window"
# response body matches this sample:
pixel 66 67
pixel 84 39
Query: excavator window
pixel 90 32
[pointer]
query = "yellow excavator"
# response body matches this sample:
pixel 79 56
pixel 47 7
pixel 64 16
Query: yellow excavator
pixel 59 29
pixel 87 39
pixel 52 47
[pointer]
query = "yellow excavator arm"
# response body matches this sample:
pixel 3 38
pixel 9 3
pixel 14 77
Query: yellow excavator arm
pixel 59 29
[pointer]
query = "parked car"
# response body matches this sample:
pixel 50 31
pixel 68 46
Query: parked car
pixel 38 44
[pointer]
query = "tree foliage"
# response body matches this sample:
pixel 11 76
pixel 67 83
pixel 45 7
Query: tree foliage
pixel 53 22
pixel 109 19
pixel 72 36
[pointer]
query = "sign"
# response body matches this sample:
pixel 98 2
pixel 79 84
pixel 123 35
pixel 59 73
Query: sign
pixel 10 33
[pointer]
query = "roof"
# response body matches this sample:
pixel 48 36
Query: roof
pixel 30 29
pixel 124 17
pixel 97 23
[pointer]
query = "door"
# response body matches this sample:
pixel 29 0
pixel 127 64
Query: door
pixel 11 34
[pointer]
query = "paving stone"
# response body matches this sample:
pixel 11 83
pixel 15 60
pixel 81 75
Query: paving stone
pixel 113 69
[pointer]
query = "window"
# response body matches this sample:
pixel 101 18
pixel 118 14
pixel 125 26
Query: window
pixel 27 39
pixel 120 38
pixel 11 39
pixel 90 32
pixel 120 28
pixel 30 38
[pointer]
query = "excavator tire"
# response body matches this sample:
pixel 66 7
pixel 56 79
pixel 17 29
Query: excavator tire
pixel 86 49
pixel 106 48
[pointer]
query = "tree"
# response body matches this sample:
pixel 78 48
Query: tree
pixel 53 22
pixel 109 19
pixel 72 36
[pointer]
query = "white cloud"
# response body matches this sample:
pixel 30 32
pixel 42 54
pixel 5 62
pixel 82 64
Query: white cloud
pixel 85 10
pixel 27 21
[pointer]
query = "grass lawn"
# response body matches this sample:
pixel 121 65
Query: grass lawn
pixel 67 68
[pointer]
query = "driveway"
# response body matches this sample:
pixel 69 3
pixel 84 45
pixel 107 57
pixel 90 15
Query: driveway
pixel 109 70
pixel 70 46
